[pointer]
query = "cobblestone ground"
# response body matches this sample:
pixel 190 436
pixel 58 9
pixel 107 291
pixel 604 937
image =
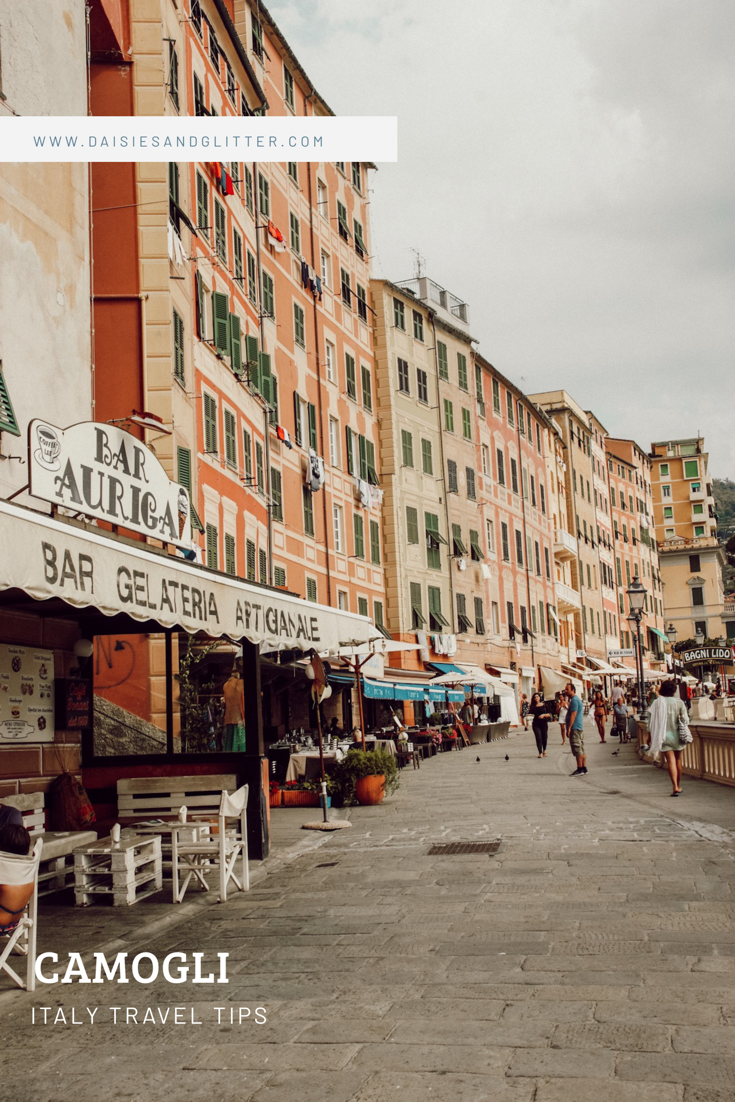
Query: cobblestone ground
pixel 589 960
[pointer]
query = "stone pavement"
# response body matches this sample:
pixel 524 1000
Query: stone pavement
pixel 589 960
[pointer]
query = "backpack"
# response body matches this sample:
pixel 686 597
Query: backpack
pixel 69 804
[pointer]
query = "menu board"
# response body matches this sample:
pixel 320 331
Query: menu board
pixel 26 695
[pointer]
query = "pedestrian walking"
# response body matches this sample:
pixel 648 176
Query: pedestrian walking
pixel 562 716
pixel 668 725
pixel 686 694
pixel 617 694
pixel 524 710
pixel 575 731
pixel 540 716
pixel 599 707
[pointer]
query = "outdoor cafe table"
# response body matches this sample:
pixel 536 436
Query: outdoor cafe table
pixel 297 763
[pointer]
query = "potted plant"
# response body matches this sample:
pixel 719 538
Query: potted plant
pixel 296 794
pixel 275 794
pixel 366 776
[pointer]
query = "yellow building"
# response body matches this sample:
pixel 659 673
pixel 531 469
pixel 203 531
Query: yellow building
pixel 690 553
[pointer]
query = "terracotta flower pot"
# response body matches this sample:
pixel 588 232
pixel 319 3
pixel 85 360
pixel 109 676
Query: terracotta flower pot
pixel 296 798
pixel 275 798
pixel 370 790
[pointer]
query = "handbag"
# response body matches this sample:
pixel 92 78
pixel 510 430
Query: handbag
pixel 685 735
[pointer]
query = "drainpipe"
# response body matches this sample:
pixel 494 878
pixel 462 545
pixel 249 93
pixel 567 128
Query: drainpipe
pixel 444 468
pixel 525 536
pixel 266 421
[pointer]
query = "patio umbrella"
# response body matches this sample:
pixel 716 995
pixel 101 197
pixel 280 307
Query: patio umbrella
pixel 357 656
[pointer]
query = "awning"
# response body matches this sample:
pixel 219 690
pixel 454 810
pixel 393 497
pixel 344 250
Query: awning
pixel 528 671
pixel 580 671
pixel 659 633
pixel 446 667
pixel 377 690
pixel 602 667
pixel 553 680
pixel 87 568
pixel 505 674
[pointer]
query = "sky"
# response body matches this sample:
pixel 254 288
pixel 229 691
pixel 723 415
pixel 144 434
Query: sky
pixel 566 167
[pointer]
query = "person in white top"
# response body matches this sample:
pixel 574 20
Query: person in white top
pixel 618 693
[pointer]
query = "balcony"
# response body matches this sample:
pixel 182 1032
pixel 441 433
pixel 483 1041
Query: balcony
pixel 567 599
pixel 565 545
pixel 697 491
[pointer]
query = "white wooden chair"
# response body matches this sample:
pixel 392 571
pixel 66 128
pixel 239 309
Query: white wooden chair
pixel 16 871
pixel 192 860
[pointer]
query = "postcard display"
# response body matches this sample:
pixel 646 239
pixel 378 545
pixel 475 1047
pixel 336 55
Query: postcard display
pixel 26 695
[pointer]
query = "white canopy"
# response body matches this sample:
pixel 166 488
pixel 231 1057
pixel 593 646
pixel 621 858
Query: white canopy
pixel 88 568
pixel 553 680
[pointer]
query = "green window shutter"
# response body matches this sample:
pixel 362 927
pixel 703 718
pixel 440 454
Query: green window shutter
pixel 350 453
pixel 230 566
pixel 466 424
pixel 251 349
pixel 201 332
pixel 367 388
pixel 412 524
pixel 297 437
pixel 417 616
pixel 230 439
pixel 235 344
pixel 359 529
pixel 183 468
pixel 350 376
pixel 279 575
pixel 247 448
pixel 212 547
pixel 210 424
pixel 311 593
pixel 407 448
pixel 237 256
pixel 374 542
pixel 250 560
pixel 221 320
pixel 448 415
pixel 462 371
pixel 441 353
pixel 220 232
pixel 274 394
pixel 276 494
pixel 371 469
pixel 313 440
pixel 362 606
pixel 265 377
pixel 178 325
pixel 308 503
pixel 262 566
pixel 362 444
pixel 427 459
pixel 202 205
pixel 252 278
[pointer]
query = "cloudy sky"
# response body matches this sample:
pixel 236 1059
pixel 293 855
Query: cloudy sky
pixel 566 166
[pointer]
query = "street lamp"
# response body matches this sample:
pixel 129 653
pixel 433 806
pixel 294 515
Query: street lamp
pixel 672 633
pixel 636 600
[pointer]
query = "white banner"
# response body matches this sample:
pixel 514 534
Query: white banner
pixel 47 558
pixel 159 138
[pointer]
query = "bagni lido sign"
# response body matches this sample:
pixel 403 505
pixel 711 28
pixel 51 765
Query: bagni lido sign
pixel 104 472
pixel 723 655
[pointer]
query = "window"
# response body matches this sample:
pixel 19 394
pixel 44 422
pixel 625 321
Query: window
pixel 490 533
pixel 329 361
pixel 505 542
pixel 342 224
pixel 427 459
pixel 697 595
pixel 345 288
pixel 264 196
pixel 333 442
pixel 378 614
pixel 358 525
pixel 538 449
pixel 664 470
pixel 210 424
pixel 462 371
pixel 399 314
pixel 374 543
pixel 403 383
pixel 537 557
pixel 699 530
pixel 412 524
pixel 496 396
pixel 362 606
pixel 311 420
pixel 338 524
pixel 367 387
pixel 252 277
pixel 293 171
pixel 485 453
pixel 360 246
pixel 308 508
pixel 418 326
pixel 311 590
pixel 422 386
pixel 183 468
pixel 407 448
pixel 247 446
pixel 519 548
pixel 199 105
pixel 694 564
pixel 495 611
pixel 698 510
pixel 299 325
pixel 521 420
pixel 452 478
pixel 513 476
pixel 509 405
pixel 257 38
pixel 417 616
pixel 476 552
pixel 466 424
pixel 178 326
pixel 434 540
pixel 436 619
pixel 250 560
pixel 524 481
pixel 295 229
pixel 203 205
pixel 356 176
pixel 448 415
pixel 322 200
pixel 350 376
pixel 668 512
pixel 542 494
pixel 362 306
pixel 541 617
pixel 441 354
pixel 470 478
pixel 500 455
pixel 343 600
pixel 464 624
pixel 259 467
pixel 478 388
pixel 196 16
pixel 269 296
pixel 249 197
pixel 548 563
pixel 237 265
pixel 691 468
pixel 211 539
pixel 276 494
pixel 288 89
pixel 230 562
pixel 230 439
pixel 533 491
pixel 510 610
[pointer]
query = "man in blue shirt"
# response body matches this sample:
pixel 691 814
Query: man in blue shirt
pixel 575 730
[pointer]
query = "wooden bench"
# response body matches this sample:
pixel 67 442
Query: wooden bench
pixel 143 798
pixel 56 870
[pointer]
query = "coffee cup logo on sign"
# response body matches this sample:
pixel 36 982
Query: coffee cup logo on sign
pixel 49 448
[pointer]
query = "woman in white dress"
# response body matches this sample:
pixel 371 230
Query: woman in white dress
pixel 562 716
pixel 663 726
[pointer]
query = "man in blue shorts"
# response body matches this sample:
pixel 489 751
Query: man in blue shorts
pixel 575 730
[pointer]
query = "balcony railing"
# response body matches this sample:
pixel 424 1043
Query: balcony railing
pixel 565 545
pixel 567 598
